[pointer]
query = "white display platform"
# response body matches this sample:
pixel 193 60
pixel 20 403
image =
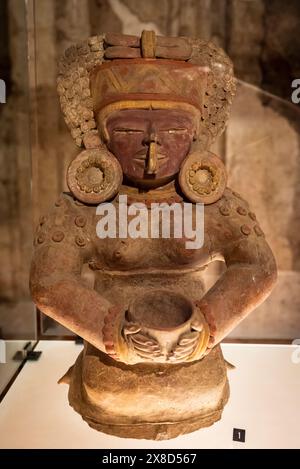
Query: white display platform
pixel 265 401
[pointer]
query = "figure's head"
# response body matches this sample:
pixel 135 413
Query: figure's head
pixel 150 144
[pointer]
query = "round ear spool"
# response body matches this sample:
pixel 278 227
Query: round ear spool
pixel 94 176
pixel 202 177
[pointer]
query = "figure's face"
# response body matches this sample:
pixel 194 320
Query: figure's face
pixel 150 144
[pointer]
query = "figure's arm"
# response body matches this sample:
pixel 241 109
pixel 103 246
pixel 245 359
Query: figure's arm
pixel 250 276
pixel 62 247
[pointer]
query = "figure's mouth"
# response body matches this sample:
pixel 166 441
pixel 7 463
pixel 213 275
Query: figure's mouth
pixel 142 158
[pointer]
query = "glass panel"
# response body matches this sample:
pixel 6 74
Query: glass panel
pixel 57 25
pixel 260 146
pixel 17 312
pixel 263 162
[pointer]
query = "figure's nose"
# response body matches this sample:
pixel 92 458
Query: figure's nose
pixel 151 137
pixel 151 164
pixel 152 141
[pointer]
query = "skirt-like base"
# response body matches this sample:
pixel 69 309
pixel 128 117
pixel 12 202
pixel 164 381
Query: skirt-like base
pixel 149 401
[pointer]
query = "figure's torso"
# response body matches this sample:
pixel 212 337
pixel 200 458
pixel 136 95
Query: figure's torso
pixel 121 266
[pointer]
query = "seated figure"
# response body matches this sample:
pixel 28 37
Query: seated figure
pixel 146 111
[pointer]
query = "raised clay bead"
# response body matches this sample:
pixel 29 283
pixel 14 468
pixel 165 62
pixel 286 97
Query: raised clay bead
pixel 245 229
pixel 58 236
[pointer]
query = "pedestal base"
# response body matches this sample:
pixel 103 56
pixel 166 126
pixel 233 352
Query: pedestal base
pixel 156 401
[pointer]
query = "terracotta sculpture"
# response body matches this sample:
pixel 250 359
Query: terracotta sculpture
pixel 146 110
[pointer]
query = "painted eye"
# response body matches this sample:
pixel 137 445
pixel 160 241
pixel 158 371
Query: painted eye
pixel 127 131
pixel 176 131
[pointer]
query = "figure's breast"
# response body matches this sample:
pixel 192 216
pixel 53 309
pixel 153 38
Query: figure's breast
pixel 147 253
pixel 130 238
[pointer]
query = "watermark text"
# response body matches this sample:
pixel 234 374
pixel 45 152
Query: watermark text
pixel 2 351
pixel 159 220
pixel 2 92
pixel 296 352
pixel 296 93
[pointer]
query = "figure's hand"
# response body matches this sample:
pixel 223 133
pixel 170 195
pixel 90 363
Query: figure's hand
pixel 141 344
pixel 185 347
pixel 124 341
pixel 193 344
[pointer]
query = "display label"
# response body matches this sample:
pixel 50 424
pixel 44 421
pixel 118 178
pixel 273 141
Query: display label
pixel 239 435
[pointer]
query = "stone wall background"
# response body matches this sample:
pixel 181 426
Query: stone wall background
pixel 260 146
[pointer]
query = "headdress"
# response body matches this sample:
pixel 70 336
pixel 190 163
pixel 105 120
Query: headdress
pixel 114 68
